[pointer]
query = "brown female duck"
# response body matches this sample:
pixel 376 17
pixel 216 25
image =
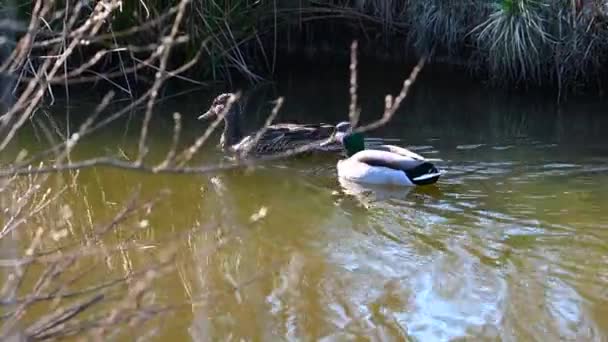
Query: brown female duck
pixel 276 138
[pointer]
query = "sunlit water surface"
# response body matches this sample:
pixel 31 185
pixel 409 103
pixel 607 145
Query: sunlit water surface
pixel 511 244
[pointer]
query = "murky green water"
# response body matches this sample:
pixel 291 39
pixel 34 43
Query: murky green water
pixel 511 244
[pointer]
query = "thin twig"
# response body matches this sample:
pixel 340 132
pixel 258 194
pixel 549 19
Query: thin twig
pixel 269 120
pixel 353 110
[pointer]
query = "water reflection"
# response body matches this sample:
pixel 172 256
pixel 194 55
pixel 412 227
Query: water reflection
pixel 366 194
pixel 510 244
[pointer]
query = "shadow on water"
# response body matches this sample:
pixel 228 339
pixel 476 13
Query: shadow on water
pixel 510 244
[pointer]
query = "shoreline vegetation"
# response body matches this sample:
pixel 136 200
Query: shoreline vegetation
pixel 560 45
pixel 48 47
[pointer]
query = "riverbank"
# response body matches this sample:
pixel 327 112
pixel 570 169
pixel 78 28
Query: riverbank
pixel 558 45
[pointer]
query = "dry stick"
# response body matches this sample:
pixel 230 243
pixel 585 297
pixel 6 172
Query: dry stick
pixel 14 221
pixel 353 111
pixel 34 183
pixel 189 152
pixel 93 26
pixel 390 109
pixel 271 117
pixel 7 118
pixel 76 293
pixel 148 62
pixel 73 140
pixel 106 121
pixel 102 37
pixel 11 286
pixel 63 252
pixel 159 79
pixel 18 55
pixel 61 315
pixel 392 106
pixel 57 269
pixel 114 74
pixel 136 293
pixel 178 40
pixel 169 159
pixel 70 24
pixel 86 65
pixel 239 59
pixel 50 274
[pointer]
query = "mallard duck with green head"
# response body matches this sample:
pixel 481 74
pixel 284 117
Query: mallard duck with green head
pixel 382 164
pixel 276 138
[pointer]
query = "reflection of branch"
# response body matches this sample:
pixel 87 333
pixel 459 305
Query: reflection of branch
pixel 57 317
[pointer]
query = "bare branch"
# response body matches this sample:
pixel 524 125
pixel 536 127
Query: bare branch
pixel 353 110
pixel 166 49
pixel 392 106
pixel 259 133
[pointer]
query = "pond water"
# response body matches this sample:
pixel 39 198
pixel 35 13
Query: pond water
pixel 510 244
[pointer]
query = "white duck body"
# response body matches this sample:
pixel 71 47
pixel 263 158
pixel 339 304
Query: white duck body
pixel 388 168
pixel 388 165
pixel 381 164
pixel 356 170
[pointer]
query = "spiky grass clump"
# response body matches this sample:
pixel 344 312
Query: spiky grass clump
pixel 515 40
pixel 582 45
pixel 388 11
pixel 230 26
pixel 441 24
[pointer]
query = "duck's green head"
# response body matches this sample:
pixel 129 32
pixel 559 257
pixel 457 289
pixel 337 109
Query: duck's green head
pixel 353 142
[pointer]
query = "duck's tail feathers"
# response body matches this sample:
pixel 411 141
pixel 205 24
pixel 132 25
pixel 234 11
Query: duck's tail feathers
pixel 425 173
pixel 427 176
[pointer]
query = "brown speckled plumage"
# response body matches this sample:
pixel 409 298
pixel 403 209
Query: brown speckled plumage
pixel 277 138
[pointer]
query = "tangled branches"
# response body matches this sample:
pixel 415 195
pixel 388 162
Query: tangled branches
pixel 48 288
pixel 48 273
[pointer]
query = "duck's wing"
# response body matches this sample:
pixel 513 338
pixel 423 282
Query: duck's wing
pixel 404 152
pixel 419 171
pixel 294 131
pixel 388 159
pixel 399 150
pixel 286 136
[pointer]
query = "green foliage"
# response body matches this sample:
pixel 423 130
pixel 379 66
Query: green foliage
pixel 440 23
pixel 515 39
pixel 230 27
